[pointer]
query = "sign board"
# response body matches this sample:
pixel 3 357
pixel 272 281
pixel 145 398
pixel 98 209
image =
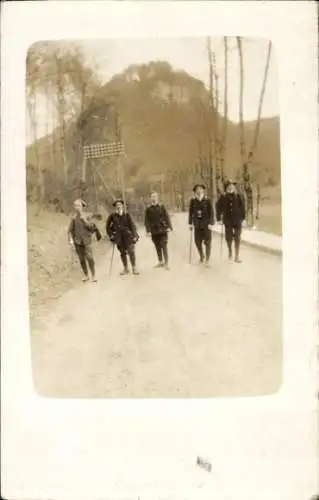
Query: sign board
pixel 103 150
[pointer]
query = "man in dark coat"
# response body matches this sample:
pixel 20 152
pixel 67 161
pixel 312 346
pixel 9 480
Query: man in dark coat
pixel 157 224
pixel 121 230
pixel 230 211
pixel 201 218
pixel 80 232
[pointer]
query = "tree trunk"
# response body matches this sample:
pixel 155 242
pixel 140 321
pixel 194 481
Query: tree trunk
pixel 61 114
pixel 216 132
pixel 241 104
pixel 32 107
pixel 223 148
pixel 261 100
pixel 212 109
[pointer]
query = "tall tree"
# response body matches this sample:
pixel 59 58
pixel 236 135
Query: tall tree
pixel 223 142
pixel 260 104
pixel 213 115
pixel 241 106
pixel 32 81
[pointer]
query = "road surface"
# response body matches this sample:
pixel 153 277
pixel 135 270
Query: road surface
pixel 187 332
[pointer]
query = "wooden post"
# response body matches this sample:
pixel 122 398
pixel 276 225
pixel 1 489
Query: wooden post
pixel 105 184
pixel 96 191
pixel 84 169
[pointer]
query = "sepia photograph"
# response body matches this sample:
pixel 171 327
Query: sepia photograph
pixel 159 222
pixel 154 217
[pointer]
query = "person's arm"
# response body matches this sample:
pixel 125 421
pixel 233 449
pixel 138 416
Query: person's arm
pixel 147 221
pixel 109 226
pixel 219 208
pixel 132 227
pixel 97 233
pixel 89 226
pixel 70 232
pixel 190 213
pixel 211 219
pixel 167 218
pixel 242 208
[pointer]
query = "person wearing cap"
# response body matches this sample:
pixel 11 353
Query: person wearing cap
pixel 121 230
pixel 201 219
pixel 80 232
pixel 230 211
pixel 157 224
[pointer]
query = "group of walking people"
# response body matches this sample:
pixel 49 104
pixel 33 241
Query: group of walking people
pixel 121 229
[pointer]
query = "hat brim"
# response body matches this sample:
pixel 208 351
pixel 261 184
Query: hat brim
pixel 199 185
pixel 118 201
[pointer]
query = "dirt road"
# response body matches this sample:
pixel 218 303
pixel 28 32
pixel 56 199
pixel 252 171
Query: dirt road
pixel 187 332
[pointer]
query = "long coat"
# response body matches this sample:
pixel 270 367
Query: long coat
pixel 81 231
pixel 121 229
pixel 231 208
pixel 201 213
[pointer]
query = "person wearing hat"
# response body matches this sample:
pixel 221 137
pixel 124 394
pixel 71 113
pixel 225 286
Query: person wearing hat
pixel 80 232
pixel 201 219
pixel 157 224
pixel 121 230
pixel 230 211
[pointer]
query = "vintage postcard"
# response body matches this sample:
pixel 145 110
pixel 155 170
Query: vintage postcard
pixel 160 250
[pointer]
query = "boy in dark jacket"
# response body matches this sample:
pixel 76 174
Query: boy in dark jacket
pixel 157 224
pixel 121 230
pixel 80 238
pixel 201 218
pixel 230 211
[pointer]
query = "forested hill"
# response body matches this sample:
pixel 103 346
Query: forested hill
pixel 164 119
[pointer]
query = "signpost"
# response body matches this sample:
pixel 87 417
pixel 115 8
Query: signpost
pixel 98 151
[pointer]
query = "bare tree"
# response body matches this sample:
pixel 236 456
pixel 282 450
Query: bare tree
pixel 241 104
pixel 31 99
pixel 212 111
pixel 223 142
pixel 261 100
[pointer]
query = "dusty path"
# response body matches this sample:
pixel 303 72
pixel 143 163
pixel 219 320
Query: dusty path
pixel 184 332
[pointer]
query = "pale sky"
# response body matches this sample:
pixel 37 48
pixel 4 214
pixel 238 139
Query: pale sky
pixel 190 54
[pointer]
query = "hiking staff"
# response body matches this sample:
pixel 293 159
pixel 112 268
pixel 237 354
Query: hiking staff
pixel 111 260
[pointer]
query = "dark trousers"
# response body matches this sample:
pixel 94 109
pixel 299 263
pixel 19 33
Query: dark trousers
pixel 233 233
pixel 160 242
pixel 127 251
pixel 85 257
pixel 203 236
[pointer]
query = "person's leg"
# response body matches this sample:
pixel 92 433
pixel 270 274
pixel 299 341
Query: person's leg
pixel 229 239
pixel 164 246
pixel 132 256
pixel 208 244
pixel 80 250
pixel 90 260
pixel 156 241
pixel 123 254
pixel 237 231
pixel 198 237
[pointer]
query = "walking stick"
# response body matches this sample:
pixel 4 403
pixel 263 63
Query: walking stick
pixel 111 261
pixel 190 246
